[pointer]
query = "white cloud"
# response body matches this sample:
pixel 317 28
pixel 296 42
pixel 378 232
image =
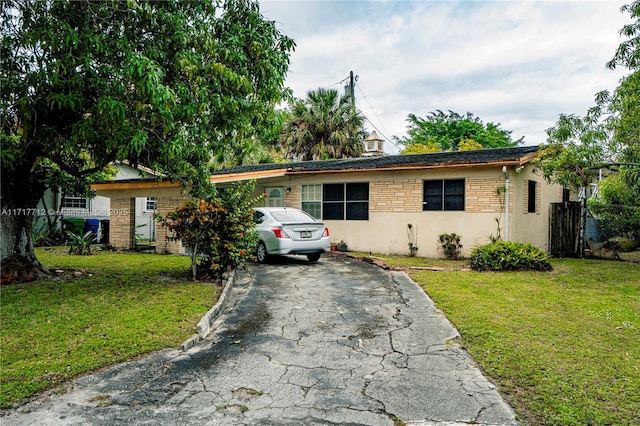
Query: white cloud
pixel 518 63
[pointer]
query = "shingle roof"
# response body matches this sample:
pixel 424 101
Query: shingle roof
pixel 476 157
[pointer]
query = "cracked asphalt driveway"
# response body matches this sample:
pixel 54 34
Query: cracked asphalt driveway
pixel 335 342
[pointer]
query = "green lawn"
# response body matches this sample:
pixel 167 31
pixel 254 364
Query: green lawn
pixel 563 346
pixel 124 305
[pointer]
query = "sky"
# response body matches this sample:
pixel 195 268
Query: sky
pixel 519 64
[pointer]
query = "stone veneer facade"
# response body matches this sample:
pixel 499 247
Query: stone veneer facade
pixel 122 222
pixel 405 195
pixel 481 195
pixel 395 200
pixel 397 195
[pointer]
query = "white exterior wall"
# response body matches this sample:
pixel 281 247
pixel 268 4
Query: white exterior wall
pixel 395 200
pixel 532 227
pixel 386 230
pixel 98 207
pixel 145 224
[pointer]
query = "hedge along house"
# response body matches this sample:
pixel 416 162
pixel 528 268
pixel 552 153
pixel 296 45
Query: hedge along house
pixel 369 201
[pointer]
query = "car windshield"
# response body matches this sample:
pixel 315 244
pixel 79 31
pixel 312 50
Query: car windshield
pixel 292 216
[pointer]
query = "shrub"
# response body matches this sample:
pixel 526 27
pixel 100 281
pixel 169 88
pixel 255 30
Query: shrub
pixel 450 245
pixel 217 227
pixel 623 244
pixel 509 256
pixel 80 244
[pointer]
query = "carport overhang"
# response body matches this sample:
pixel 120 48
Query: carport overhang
pixel 257 175
pixel 133 184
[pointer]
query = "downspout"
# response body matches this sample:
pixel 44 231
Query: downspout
pixel 507 181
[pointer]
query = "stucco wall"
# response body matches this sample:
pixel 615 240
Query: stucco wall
pixel 532 227
pixel 395 200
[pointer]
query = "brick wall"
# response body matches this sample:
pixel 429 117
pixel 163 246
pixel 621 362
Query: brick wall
pixel 122 223
pixel 396 195
pixel 404 193
pixel 481 197
pixel 292 198
pixel 165 204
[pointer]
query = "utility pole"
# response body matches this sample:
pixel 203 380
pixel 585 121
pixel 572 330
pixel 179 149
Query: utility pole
pixel 349 89
pixel 353 94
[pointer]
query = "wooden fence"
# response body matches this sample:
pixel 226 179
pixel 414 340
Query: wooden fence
pixel 564 229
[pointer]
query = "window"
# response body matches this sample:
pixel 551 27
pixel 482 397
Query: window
pixel 312 200
pixel 348 201
pixel 151 204
pixel 357 207
pixel 445 194
pixel 275 197
pixel 333 201
pixel 531 203
pixel 259 217
pixel 74 202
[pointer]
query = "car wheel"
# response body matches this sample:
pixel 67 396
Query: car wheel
pixel 313 257
pixel 261 252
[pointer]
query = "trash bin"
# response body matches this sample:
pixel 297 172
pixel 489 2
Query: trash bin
pixel 73 225
pixel 92 225
pixel 104 231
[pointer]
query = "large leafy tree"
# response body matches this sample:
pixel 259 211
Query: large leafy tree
pixel 450 131
pixel 322 126
pixel 166 84
pixel 264 148
pixel 607 137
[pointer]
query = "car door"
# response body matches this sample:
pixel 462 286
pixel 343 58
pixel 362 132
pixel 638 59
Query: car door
pixel 263 226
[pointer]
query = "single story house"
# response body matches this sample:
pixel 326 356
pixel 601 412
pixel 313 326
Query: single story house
pixel 58 206
pixel 369 201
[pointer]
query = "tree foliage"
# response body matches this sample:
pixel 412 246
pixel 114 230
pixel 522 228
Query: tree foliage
pixel 218 228
pixel 576 147
pixel 166 84
pixel 421 148
pixel 628 53
pixel 608 137
pixel 450 131
pixel 323 126
pixel 255 150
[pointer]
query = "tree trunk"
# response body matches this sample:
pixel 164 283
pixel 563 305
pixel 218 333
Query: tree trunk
pixel 194 262
pixel 21 190
pixel 16 246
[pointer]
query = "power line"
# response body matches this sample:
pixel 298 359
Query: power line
pixel 378 118
pixel 353 82
pixel 371 106
pixel 341 81
pixel 382 134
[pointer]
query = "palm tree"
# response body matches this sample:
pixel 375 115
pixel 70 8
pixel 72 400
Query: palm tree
pixel 323 126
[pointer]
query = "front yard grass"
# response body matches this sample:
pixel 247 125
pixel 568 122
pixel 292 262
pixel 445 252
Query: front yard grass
pixel 563 346
pixel 122 305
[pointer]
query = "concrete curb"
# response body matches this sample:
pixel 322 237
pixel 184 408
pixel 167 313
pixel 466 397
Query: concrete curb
pixel 204 325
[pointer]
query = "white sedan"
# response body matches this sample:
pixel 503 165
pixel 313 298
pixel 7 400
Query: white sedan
pixel 285 230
